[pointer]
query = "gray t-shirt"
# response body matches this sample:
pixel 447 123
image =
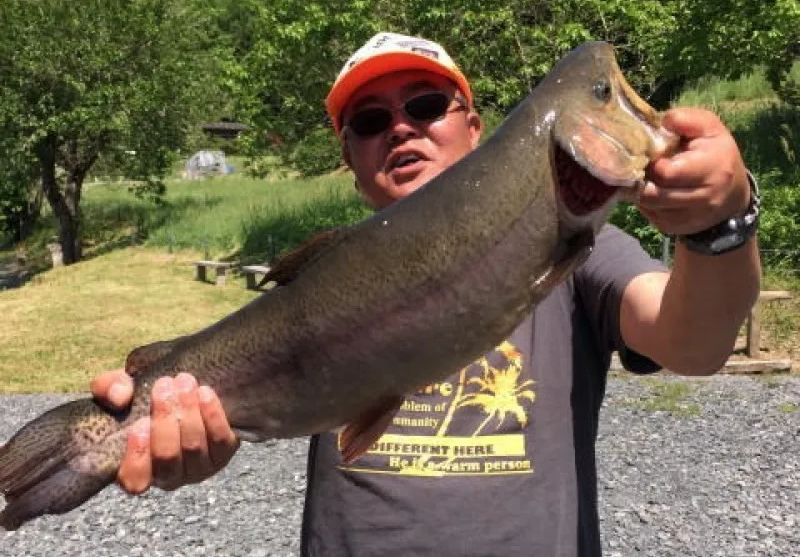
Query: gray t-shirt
pixel 499 459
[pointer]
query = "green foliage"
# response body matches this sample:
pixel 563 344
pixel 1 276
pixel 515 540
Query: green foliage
pixel 505 48
pixel 268 233
pixel 318 152
pixel 229 216
pixel 768 134
pixel 727 38
pixel 288 52
pixel 628 218
pixel 121 80
pixel 779 227
pixel 20 198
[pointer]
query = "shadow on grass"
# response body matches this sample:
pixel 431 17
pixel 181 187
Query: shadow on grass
pixel 268 235
pixel 116 224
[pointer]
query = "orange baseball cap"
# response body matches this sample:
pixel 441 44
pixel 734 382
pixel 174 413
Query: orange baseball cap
pixel 387 53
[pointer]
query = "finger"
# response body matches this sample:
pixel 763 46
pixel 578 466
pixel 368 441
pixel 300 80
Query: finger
pixel 655 197
pixel 683 170
pixel 113 389
pixel 196 463
pixel 165 436
pixel 674 221
pixel 222 441
pixel 135 472
pixel 691 123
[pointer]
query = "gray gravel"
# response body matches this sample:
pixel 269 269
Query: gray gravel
pixel 716 474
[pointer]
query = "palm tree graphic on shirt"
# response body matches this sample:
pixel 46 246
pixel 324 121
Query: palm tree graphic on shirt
pixel 500 394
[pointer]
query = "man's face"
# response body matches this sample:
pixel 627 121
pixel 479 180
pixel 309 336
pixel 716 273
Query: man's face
pixel 395 162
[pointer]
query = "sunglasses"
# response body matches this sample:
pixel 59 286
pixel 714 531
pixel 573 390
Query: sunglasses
pixel 422 108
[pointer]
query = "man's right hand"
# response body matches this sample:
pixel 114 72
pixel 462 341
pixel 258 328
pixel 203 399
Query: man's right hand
pixel 185 440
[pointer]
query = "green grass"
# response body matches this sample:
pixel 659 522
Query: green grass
pixel 136 284
pixel 714 92
pixel 668 396
pixel 230 217
pixel 68 324
pixel 788 408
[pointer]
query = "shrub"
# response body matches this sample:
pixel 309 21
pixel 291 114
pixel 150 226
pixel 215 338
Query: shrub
pixel 318 152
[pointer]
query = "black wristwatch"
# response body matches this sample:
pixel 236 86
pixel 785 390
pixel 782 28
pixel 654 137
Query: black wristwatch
pixel 731 233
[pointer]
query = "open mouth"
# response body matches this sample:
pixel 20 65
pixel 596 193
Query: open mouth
pixel 580 191
pixel 404 160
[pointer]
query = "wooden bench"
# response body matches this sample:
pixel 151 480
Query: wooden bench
pixel 252 274
pixel 221 268
pixel 753 348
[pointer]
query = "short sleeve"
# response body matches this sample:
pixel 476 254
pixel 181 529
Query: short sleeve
pixel 600 282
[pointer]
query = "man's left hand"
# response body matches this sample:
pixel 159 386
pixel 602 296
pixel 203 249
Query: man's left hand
pixel 702 184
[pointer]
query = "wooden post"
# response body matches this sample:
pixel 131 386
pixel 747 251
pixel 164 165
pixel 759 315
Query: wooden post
pixel 754 331
pixel 753 348
pixel 56 255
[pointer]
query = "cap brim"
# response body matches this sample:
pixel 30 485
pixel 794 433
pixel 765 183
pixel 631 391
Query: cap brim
pixel 383 64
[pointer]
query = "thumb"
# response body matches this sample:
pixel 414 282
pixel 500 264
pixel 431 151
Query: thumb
pixel 113 389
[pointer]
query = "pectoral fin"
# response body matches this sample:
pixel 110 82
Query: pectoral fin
pixel 361 433
pixel 288 266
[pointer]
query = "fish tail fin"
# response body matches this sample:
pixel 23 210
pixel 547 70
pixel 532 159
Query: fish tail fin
pixel 57 461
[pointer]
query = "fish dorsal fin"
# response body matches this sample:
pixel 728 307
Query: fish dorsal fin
pixel 142 357
pixel 286 268
pixel 574 251
pixel 362 432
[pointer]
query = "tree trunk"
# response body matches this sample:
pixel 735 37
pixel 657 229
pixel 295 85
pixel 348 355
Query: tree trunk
pixel 66 204
pixel 29 215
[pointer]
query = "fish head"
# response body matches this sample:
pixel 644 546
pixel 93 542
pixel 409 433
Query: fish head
pixel 604 135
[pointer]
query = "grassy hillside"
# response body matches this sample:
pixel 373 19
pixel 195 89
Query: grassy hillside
pixel 68 324
pixel 136 284
pixel 231 217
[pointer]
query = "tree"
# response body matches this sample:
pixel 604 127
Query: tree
pixel 728 38
pixel 287 54
pixel 507 46
pixel 121 79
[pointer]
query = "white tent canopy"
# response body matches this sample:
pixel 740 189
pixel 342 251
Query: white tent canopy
pixel 207 163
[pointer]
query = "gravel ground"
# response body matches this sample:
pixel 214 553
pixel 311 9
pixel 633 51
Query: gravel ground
pixel 716 475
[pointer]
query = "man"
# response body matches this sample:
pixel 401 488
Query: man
pixel 499 459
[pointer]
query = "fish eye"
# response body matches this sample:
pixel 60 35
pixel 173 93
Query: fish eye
pixel 602 91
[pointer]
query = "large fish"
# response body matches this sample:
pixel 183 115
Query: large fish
pixel 364 315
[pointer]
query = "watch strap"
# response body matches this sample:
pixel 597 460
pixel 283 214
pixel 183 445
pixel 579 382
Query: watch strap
pixel 729 234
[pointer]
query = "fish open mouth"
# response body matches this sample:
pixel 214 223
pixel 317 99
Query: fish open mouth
pixel 581 192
